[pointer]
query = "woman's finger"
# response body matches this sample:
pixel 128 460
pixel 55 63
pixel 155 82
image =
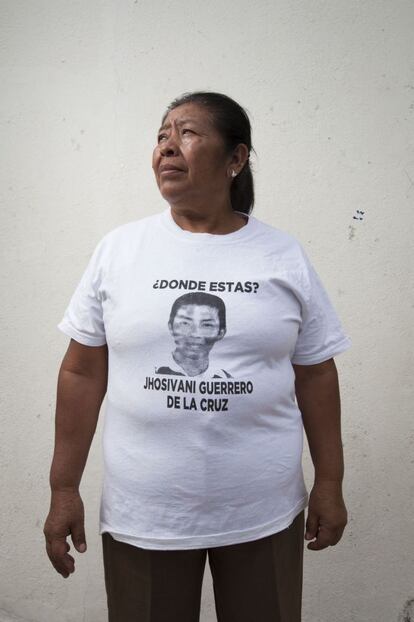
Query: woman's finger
pixel 322 541
pixel 58 555
pixel 312 524
pixel 325 537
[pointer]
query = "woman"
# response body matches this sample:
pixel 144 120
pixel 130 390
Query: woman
pixel 202 324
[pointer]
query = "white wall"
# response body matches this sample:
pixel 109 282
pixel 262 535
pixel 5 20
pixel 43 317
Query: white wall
pixel 330 90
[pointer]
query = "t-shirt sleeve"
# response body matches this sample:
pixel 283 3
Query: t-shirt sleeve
pixel 321 335
pixel 83 318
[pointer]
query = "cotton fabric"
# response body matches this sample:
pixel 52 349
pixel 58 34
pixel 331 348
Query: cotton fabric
pixel 202 438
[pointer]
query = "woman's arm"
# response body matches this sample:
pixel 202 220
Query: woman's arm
pixel 317 393
pixel 81 388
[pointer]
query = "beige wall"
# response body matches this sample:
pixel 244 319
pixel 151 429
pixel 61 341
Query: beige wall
pixel 330 89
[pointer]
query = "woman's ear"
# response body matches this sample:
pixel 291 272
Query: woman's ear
pixel 239 158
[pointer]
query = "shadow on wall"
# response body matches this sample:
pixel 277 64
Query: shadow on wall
pixel 407 614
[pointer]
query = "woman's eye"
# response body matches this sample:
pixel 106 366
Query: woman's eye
pixel 161 136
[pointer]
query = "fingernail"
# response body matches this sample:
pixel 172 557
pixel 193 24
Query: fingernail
pixel 82 547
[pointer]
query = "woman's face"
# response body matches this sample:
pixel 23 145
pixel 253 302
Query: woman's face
pixel 188 141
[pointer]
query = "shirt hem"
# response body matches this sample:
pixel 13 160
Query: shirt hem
pixel 314 360
pixel 74 334
pixel 223 539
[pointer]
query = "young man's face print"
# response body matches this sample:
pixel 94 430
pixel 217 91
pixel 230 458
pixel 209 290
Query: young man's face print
pixel 195 329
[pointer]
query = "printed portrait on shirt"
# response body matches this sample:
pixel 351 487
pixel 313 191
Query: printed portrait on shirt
pixel 197 322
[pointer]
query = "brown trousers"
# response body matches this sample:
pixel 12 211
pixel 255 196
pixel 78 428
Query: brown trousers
pixel 256 581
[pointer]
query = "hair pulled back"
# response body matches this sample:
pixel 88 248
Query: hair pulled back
pixel 232 122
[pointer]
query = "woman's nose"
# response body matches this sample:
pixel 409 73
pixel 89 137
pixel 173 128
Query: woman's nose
pixel 169 146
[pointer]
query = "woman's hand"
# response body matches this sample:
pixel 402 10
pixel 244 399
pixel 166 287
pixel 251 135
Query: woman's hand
pixel 327 515
pixel 66 517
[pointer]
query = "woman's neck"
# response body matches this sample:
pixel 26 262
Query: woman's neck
pixel 207 219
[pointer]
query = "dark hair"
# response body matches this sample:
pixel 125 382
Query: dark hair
pixel 232 121
pixel 200 298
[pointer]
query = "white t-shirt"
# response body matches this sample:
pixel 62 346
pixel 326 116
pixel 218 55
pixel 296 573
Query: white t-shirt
pixel 202 438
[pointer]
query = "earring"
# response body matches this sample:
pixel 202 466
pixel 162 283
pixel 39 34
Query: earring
pixel 233 173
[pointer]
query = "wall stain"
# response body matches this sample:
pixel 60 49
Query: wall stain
pixel 407 614
pixel 360 215
pixel 411 182
pixel 75 144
